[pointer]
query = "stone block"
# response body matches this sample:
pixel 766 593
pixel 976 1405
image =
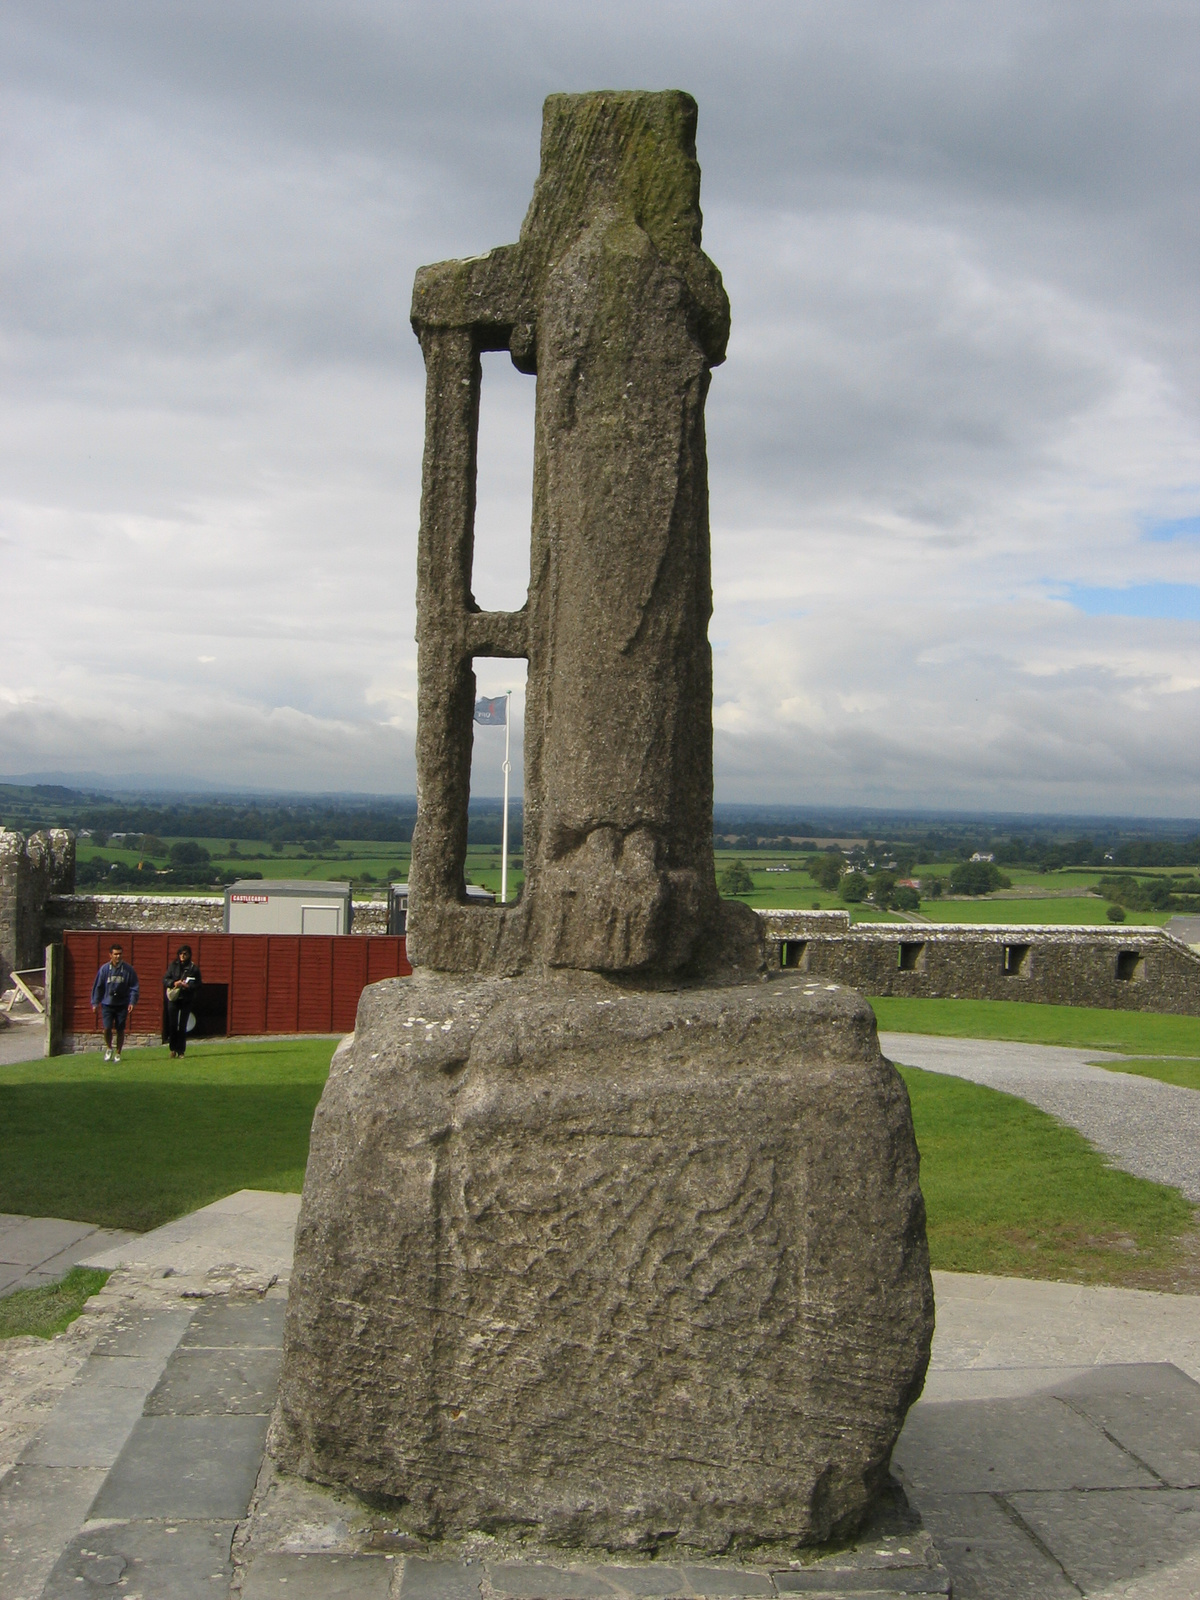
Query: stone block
pixel 1152 1410
pixel 192 1468
pixel 204 1383
pixel 1138 1536
pixel 991 1553
pixel 321 1577
pixel 646 1266
pixel 145 1558
pixel 441 1580
pixel 222 1323
pixel 40 1508
pixel 997 1446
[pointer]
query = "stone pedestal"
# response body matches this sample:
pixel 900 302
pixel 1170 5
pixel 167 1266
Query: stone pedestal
pixel 618 1268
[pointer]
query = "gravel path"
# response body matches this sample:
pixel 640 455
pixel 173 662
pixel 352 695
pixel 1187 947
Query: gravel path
pixel 1148 1128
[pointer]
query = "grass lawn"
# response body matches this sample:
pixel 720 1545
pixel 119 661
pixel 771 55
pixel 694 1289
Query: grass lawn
pixel 50 1309
pixel 1185 1074
pixel 1070 910
pixel 135 1144
pixel 1010 1191
pixel 1139 1033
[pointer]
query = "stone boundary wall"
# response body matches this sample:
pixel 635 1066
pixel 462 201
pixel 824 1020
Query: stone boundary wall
pixel 161 913
pixel 136 913
pixel 1123 969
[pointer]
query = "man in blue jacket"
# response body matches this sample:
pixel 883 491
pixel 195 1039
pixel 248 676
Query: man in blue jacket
pixel 115 992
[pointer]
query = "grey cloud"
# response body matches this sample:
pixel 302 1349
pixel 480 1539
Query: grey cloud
pixel 961 248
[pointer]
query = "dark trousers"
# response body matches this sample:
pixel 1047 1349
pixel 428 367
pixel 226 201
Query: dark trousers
pixel 178 1012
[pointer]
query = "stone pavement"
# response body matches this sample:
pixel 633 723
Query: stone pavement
pixel 22 1041
pixel 38 1250
pixel 1056 1451
pixel 132 1479
pixel 1149 1128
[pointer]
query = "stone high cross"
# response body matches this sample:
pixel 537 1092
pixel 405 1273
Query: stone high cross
pixel 609 299
pixel 599 1257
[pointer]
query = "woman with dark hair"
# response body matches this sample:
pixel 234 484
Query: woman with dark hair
pixel 181 984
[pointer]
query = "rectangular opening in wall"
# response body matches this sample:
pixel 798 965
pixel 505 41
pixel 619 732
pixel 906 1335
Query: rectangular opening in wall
pixel 792 952
pixel 912 955
pixel 1130 965
pixel 499 697
pixel 1016 960
pixel 503 485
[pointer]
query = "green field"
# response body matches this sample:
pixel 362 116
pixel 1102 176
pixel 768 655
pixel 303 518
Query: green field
pixel 46 1311
pixel 133 1144
pixel 1139 1033
pixel 1056 897
pixel 1008 1190
pixel 1077 910
pixel 369 864
pixel 1053 898
pixel 1184 1073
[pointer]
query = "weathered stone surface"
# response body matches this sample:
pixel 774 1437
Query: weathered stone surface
pixel 31 869
pixel 590 1254
pixel 608 297
pixel 613 1266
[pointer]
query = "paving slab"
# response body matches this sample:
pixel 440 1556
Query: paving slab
pixel 535 1580
pixel 1115 1537
pixel 192 1462
pixel 650 1581
pixel 250 1232
pixel 990 1553
pixel 180 1562
pixel 22 1041
pixel 1151 1411
pixel 322 1577
pixel 972 1468
pixel 440 1580
pixel 40 1509
pixel 221 1323
pixel 998 1446
pixel 145 1335
pixel 199 1468
pixel 722 1581
pixel 88 1427
pixel 39 1250
pixel 199 1383
pixel 993 1324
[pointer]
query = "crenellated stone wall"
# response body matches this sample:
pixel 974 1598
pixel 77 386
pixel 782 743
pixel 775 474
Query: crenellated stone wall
pixel 1125 969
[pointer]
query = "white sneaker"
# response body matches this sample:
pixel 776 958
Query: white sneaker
pixel 108 1055
pixel 117 1055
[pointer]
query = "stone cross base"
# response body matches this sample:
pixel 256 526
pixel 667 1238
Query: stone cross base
pixel 613 1267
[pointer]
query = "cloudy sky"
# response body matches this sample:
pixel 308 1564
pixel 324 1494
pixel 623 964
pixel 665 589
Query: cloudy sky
pixel 955 449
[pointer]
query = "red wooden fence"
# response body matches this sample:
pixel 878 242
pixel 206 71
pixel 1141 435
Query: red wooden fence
pixel 277 982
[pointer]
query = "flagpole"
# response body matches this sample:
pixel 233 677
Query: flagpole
pixel 504 822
